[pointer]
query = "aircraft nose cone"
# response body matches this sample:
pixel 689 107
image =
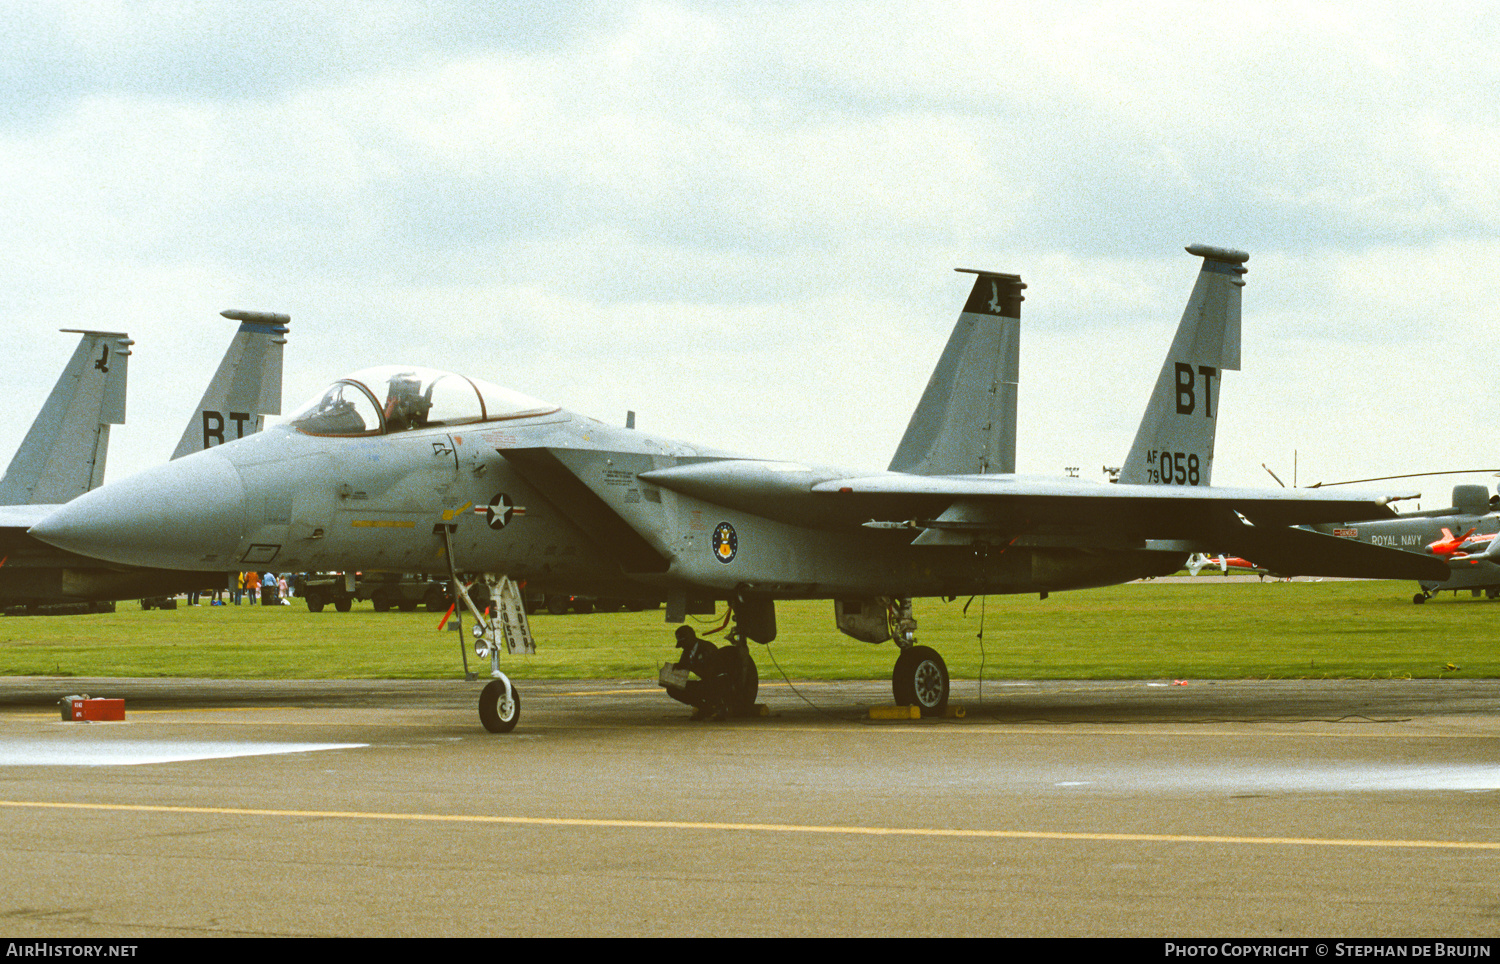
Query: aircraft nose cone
pixel 187 514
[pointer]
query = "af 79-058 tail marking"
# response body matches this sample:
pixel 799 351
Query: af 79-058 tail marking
pixel 1175 442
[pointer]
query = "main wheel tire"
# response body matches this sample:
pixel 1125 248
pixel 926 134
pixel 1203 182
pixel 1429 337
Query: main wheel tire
pixel 921 679
pixel 744 683
pixel 498 713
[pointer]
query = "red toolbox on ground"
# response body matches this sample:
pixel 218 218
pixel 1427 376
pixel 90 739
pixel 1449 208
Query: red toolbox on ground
pixel 83 709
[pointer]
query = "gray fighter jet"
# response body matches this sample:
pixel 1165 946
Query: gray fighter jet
pixel 63 456
pixel 408 469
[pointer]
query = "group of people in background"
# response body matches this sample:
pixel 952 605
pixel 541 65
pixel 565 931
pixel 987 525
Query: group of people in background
pixel 252 588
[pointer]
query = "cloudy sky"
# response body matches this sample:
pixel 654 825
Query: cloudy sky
pixel 741 220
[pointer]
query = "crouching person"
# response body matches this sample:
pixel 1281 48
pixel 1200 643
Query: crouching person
pixel 709 693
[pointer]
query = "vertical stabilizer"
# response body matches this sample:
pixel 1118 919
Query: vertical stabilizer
pixel 63 454
pixel 1175 443
pixel 245 389
pixel 966 421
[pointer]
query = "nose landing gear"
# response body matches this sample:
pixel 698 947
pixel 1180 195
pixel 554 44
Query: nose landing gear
pixel 499 706
pixel 501 622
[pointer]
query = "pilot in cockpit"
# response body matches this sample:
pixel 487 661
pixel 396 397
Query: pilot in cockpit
pixel 405 404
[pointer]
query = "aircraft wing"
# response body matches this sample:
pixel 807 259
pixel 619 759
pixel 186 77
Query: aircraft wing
pixel 1017 510
pixel 801 493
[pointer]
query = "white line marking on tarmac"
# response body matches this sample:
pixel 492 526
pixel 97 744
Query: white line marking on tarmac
pixel 62 753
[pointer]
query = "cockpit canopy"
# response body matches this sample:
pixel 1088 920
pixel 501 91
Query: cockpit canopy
pixel 391 398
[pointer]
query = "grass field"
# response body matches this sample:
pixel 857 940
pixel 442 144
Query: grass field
pixel 1154 630
pixel 1226 631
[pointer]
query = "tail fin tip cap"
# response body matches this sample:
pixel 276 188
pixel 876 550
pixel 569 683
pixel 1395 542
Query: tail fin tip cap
pixel 1226 255
pixel 256 317
pixel 1014 279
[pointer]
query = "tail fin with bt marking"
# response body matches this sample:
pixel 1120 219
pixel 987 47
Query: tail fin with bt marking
pixel 1175 443
pixel 245 389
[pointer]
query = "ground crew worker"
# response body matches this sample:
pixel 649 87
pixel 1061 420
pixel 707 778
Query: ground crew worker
pixel 709 693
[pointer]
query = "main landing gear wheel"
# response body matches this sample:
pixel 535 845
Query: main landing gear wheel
pixel 499 707
pixel 921 679
pixel 744 683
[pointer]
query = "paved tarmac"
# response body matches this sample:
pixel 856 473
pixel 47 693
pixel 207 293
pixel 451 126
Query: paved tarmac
pixel 1282 808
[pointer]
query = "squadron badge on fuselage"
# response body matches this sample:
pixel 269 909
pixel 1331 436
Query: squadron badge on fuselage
pixel 725 542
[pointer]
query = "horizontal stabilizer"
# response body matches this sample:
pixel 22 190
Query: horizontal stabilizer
pixel 1302 552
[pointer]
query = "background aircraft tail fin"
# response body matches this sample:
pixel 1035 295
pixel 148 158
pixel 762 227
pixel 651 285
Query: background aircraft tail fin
pixel 1175 443
pixel 63 454
pixel 965 423
pixel 245 389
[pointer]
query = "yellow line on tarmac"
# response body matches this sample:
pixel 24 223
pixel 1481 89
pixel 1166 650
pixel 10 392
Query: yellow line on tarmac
pixel 762 827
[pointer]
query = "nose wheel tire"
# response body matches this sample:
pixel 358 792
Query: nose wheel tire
pixel 921 679
pixel 499 707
